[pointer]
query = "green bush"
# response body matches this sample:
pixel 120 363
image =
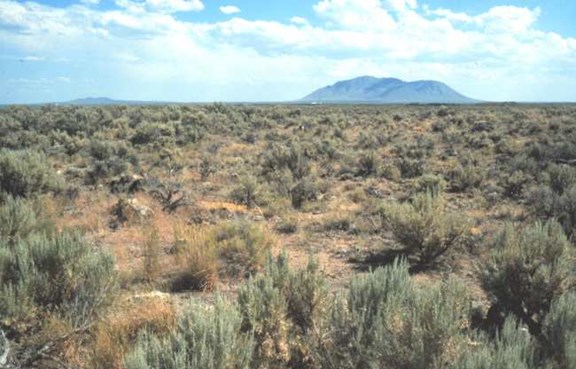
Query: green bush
pixel 287 226
pixel 304 190
pixel 430 183
pixel 282 309
pixel 544 202
pixel 528 269
pixel 243 246
pixel 512 348
pixel 60 275
pixel 548 204
pixel 410 168
pixel 467 177
pixel 566 211
pixel 368 164
pixel 514 183
pixel 560 331
pixel 26 173
pixel 278 157
pixel 264 313
pixel 423 227
pixel 206 338
pixel 248 192
pixel 160 133
pixel 20 218
pixel 561 177
pixel 388 323
pixel 272 325
pixel 391 172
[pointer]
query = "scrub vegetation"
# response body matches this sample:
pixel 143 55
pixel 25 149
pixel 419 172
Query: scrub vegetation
pixel 293 236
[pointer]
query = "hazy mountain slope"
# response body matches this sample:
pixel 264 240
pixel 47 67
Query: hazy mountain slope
pixel 388 90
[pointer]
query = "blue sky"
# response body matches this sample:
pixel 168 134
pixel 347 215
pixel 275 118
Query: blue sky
pixel 256 50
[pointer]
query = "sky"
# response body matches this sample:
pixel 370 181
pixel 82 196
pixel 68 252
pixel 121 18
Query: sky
pixel 281 50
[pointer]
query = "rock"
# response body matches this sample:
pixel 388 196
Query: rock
pixel 127 183
pixel 4 348
pixel 128 210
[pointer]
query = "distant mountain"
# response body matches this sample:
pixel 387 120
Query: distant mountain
pixel 108 101
pixel 368 89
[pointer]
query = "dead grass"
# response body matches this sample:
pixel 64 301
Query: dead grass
pixel 116 332
pixel 90 213
pixel 218 205
pixel 198 261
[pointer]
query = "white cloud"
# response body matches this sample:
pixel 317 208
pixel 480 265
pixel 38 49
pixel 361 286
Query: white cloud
pixel 450 15
pixel 161 6
pixel 508 19
pixel 299 20
pixel 32 58
pixel 355 14
pixel 402 5
pixel 90 2
pixel 229 9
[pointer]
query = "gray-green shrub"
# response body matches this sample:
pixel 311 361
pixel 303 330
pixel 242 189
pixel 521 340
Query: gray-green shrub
pixel 19 218
pixel 560 331
pixel 513 348
pixel 387 322
pixel 466 177
pixel 206 338
pixel 60 274
pixel 26 173
pixel 423 227
pixel 528 269
pixel 247 192
pixel 283 309
pixel 368 164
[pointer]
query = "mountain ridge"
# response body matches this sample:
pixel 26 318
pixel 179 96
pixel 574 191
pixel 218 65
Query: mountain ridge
pixel 87 101
pixel 369 89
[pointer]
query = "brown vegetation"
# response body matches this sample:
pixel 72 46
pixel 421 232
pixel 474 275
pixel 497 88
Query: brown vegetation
pixel 127 215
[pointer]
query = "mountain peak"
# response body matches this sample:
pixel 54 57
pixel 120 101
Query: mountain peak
pixel 368 89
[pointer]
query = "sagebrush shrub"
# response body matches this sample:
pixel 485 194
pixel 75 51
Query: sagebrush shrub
pixel 423 227
pixel 368 164
pixel 410 168
pixel 430 183
pixel 278 157
pixel 248 192
pixel 467 177
pixel 242 246
pixel 26 173
pixel 386 322
pixel 548 204
pixel 528 269
pixel 19 218
pixel 561 177
pixel 283 309
pixel 513 347
pixel 560 331
pixel 206 338
pixel 62 275
pixel 304 190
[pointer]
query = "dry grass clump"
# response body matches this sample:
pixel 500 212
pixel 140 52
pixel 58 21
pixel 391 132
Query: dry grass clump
pixel 205 254
pixel 114 335
pixel 197 257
